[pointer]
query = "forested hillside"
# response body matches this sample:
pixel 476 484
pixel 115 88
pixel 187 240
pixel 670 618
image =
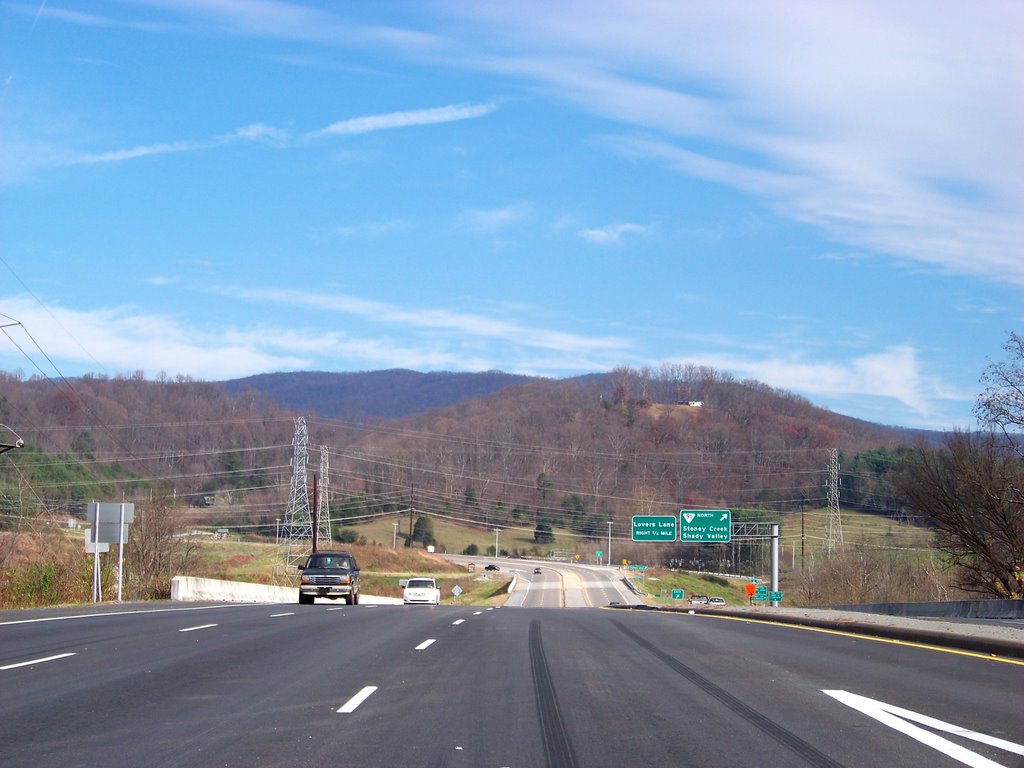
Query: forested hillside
pixel 571 453
pixel 387 394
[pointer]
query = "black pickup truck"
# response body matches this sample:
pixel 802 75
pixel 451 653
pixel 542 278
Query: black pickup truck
pixel 331 575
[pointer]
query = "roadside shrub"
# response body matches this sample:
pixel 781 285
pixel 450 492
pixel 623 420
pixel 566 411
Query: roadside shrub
pixel 347 535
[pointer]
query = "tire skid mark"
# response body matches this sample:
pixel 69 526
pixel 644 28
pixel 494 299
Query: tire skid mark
pixel 558 752
pixel 788 739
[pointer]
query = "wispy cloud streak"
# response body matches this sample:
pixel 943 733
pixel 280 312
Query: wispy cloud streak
pixel 405 119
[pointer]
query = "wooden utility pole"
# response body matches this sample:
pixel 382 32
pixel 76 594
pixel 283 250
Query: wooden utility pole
pixel 316 511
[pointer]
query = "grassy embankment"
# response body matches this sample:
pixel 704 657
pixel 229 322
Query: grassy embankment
pixel 381 568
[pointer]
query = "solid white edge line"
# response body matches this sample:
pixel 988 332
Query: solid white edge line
pixel 350 705
pixel 424 645
pixel 130 613
pixel 37 661
pixel 201 626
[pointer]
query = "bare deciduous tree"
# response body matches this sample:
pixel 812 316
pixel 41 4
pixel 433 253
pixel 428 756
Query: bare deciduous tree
pixel 1001 405
pixel 159 547
pixel 971 491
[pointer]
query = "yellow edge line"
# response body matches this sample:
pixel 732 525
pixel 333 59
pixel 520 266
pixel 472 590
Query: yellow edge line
pixel 858 635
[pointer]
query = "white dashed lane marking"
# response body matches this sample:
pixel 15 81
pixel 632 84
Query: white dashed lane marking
pixel 351 705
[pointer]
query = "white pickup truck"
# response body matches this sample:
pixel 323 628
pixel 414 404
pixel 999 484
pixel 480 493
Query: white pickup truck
pixel 421 589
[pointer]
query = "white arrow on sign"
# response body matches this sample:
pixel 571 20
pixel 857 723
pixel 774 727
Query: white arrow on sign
pixel 897 718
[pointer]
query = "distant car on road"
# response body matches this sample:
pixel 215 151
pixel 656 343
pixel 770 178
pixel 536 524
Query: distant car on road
pixel 699 600
pixel 716 601
pixel 537 569
pixel 421 590
pixel 491 567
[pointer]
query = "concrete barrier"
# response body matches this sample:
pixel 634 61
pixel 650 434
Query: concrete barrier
pixel 193 588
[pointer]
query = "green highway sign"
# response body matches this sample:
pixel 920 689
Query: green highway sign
pixel 638 567
pixel 677 594
pixel 654 528
pixel 705 525
pixel 761 593
pixel 775 597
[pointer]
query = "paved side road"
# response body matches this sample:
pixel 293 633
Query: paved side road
pixel 995 639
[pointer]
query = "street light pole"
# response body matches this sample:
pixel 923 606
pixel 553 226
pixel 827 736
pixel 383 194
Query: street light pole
pixel 609 543
pixel 496 530
pixel 394 538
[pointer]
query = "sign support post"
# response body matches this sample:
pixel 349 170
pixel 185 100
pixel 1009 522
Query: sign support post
pixel 120 553
pixel 97 592
pixel 775 563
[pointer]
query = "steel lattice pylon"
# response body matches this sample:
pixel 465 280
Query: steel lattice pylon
pixel 323 509
pixel 834 533
pixel 297 529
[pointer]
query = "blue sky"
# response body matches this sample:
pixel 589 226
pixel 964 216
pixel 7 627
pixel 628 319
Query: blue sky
pixel 825 197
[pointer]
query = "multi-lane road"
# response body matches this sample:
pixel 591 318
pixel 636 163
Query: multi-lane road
pixel 559 585
pixel 325 685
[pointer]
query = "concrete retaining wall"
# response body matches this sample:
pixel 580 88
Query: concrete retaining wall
pixel 945 609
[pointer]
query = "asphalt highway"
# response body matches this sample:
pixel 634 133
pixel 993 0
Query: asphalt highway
pixel 323 685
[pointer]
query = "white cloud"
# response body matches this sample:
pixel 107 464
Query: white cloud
pixel 259 132
pixel 894 373
pixel 120 339
pixel 124 339
pixel 887 125
pixel 405 119
pixel 461 324
pixel 611 234
pixel 21 158
pixel 489 221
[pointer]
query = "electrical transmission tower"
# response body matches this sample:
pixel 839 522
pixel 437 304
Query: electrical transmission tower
pixel 297 529
pixel 323 508
pixel 834 534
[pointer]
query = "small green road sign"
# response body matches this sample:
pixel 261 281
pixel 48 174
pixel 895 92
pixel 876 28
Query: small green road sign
pixel 775 597
pixel 705 525
pixel 760 593
pixel 677 594
pixel 654 528
pixel 599 553
pixel 638 567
